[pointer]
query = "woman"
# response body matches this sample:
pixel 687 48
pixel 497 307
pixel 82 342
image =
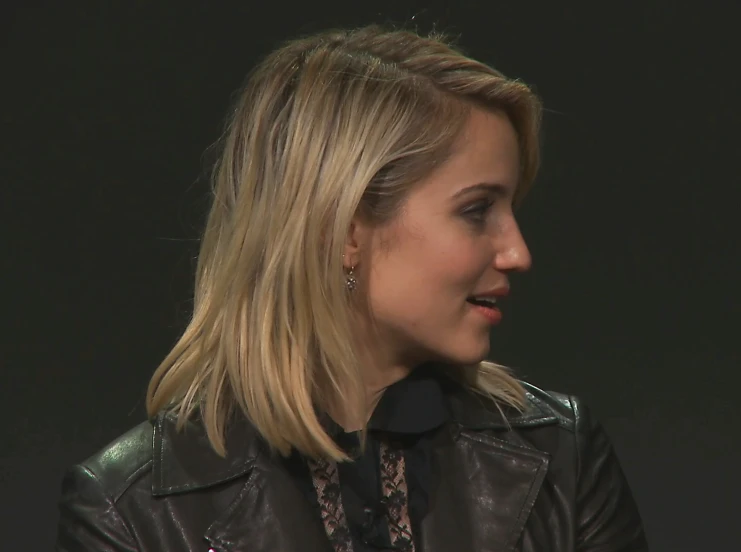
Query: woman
pixel 330 391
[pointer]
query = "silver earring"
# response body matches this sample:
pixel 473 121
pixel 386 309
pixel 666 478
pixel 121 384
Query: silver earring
pixel 350 280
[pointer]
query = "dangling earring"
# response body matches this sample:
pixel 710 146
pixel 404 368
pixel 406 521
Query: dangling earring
pixel 350 280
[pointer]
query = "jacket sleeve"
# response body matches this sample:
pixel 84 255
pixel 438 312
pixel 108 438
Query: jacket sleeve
pixel 89 520
pixel 606 514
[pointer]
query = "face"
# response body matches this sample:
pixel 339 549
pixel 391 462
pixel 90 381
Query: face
pixel 456 237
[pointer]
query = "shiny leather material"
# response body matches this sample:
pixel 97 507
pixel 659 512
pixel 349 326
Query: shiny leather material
pixel 546 480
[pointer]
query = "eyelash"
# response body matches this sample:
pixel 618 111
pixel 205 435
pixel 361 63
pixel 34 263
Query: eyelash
pixel 476 213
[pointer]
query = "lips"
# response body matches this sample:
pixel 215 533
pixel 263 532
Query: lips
pixel 488 310
pixel 483 301
pixel 501 291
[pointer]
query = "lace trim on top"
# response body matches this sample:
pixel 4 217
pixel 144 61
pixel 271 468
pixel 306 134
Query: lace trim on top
pixel 325 478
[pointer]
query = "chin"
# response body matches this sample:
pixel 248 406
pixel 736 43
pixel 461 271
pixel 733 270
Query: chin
pixel 460 350
pixel 473 355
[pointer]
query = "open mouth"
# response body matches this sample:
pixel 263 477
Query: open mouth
pixel 486 306
pixel 489 302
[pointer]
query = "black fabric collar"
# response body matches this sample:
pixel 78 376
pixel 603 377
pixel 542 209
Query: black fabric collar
pixel 412 406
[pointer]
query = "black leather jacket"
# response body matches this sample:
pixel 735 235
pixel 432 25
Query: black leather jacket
pixel 549 482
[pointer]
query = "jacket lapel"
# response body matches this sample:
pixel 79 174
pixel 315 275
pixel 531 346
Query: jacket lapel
pixel 269 514
pixel 488 477
pixel 484 510
pixel 260 510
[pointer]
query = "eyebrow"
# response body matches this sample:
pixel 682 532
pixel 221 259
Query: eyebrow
pixel 499 189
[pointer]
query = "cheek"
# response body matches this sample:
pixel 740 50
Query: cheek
pixel 462 260
pixel 429 270
pixel 449 268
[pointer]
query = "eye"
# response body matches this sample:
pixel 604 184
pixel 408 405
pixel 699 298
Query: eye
pixel 477 212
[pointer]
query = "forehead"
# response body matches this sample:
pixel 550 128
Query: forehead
pixel 486 151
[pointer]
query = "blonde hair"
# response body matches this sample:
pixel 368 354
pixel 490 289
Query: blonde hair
pixel 327 126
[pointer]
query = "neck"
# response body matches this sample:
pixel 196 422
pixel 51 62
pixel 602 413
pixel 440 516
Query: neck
pixel 382 367
pixel 375 382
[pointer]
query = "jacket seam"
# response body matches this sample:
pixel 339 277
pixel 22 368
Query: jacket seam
pixel 111 505
pixel 160 428
pixel 479 438
pixel 577 452
pixel 116 496
pixel 185 487
pixel 219 539
pixel 569 424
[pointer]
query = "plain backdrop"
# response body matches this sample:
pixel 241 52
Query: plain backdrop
pixel 632 303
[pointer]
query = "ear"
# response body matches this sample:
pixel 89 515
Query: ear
pixel 356 243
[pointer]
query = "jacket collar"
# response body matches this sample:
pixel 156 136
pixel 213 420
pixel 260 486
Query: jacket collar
pixel 472 411
pixel 183 460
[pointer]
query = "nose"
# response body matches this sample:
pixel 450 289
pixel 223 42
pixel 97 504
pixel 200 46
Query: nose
pixel 512 252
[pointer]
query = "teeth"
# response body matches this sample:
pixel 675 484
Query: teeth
pixel 488 300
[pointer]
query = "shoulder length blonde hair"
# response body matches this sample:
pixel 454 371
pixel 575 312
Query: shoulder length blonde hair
pixel 327 126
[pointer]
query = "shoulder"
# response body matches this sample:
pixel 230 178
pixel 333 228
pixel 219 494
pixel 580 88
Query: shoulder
pixel 167 459
pixel 568 410
pixel 554 422
pixel 571 414
pixel 103 497
pixel 604 508
pixel 92 491
pixel 121 462
pixel 541 408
